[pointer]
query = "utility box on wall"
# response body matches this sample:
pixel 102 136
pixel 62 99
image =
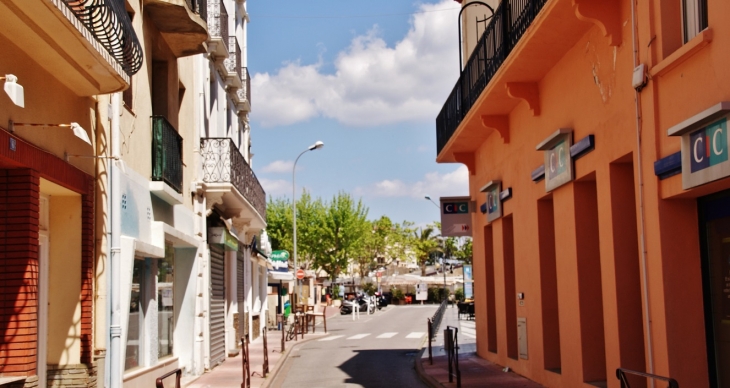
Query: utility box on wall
pixel 522 337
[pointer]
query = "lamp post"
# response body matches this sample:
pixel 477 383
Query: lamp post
pixel 428 197
pixel 313 147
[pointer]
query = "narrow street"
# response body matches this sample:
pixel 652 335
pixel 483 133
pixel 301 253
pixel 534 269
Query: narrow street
pixel 375 351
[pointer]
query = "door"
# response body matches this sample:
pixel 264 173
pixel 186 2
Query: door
pixel 714 212
pixel 42 367
pixel 217 305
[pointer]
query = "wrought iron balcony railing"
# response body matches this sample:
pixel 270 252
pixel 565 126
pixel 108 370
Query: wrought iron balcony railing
pixel 223 163
pixel 217 20
pixel 167 148
pixel 245 92
pixel 511 20
pixel 109 24
pixel 200 7
pixel 233 62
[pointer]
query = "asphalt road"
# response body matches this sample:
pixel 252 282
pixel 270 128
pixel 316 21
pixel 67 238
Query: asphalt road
pixel 372 352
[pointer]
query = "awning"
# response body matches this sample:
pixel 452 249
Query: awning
pixel 285 276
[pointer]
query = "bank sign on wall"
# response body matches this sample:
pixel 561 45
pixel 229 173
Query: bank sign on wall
pixel 704 146
pixel 456 216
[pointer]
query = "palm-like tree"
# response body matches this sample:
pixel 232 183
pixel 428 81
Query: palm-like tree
pixel 426 243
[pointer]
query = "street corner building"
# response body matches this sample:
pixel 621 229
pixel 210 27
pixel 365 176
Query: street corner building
pixel 596 138
pixel 130 217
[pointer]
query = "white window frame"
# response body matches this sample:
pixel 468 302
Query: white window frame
pixel 693 16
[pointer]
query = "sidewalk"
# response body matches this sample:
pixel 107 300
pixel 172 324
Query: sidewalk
pixel 229 374
pixel 475 371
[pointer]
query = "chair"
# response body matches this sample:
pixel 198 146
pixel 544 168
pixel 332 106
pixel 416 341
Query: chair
pixel 311 315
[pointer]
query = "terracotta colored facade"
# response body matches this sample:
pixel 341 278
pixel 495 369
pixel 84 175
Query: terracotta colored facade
pixel 621 266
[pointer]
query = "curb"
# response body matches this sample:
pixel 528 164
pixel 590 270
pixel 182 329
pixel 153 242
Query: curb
pixel 274 371
pixel 425 377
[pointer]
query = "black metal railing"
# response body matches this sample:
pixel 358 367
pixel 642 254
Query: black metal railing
pixel 451 345
pixel 177 372
pixel 233 62
pixel 622 372
pixel 200 7
pixel 511 20
pixel 167 165
pixel 217 20
pixel 245 92
pixel 436 319
pixel 110 25
pixel 223 163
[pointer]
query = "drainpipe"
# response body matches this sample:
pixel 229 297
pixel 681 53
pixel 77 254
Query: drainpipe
pixel 115 328
pixel 642 223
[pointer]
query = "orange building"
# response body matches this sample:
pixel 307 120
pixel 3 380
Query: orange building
pixel 607 120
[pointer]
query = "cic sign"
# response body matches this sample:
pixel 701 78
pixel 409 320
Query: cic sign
pixel 705 146
pixel 456 216
pixel 558 162
pixel 494 203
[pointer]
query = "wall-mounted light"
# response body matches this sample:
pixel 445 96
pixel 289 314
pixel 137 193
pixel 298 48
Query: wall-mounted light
pixel 78 130
pixel 14 90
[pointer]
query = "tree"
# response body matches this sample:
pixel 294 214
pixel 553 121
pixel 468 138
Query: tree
pixel 341 234
pixel 309 220
pixel 425 244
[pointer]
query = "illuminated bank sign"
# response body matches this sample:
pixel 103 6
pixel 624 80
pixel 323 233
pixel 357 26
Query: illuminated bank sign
pixel 705 146
pixel 455 207
pixel 456 216
pixel 558 162
pixel 708 146
pixel 494 203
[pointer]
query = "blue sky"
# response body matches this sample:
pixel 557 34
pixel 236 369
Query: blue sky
pixel 367 78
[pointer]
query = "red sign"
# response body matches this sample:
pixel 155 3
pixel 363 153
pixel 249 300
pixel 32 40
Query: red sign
pixel 300 274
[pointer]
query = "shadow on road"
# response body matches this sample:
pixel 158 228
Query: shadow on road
pixel 382 368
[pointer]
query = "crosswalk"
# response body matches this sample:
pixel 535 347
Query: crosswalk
pixel 468 329
pixel 387 335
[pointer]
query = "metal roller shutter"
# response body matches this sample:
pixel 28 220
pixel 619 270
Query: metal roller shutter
pixel 217 305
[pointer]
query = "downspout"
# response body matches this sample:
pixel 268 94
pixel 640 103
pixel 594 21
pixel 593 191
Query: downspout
pixel 115 328
pixel 642 223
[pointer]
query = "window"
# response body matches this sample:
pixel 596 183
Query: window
pixel 136 316
pixel 165 299
pixel 694 18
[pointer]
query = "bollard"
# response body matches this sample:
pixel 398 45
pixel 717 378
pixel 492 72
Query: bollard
pixel 176 372
pixel 430 338
pixel 245 363
pixel 283 333
pixel 266 355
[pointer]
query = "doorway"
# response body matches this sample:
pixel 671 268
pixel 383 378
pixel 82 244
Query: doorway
pixel 42 367
pixel 714 217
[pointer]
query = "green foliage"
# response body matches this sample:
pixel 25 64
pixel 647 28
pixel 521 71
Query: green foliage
pixel 397 294
pixel 459 294
pixel 437 294
pixel 369 288
pixel 426 245
pixel 336 291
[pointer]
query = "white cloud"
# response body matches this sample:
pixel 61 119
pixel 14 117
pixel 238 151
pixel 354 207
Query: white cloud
pixel 275 187
pixel 435 184
pixel 279 166
pixel 372 83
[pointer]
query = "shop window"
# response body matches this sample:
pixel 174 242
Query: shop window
pixel 165 302
pixel 694 18
pixel 136 317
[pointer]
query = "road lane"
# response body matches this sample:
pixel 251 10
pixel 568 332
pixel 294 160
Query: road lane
pixel 375 351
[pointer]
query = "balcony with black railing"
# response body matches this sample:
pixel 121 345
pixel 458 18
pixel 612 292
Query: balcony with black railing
pixel 505 29
pixel 233 64
pixel 244 93
pixel 224 164
pixel 218 40
pixel 167 146
pixel 183 23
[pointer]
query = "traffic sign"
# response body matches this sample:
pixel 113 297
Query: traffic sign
pixel 300 274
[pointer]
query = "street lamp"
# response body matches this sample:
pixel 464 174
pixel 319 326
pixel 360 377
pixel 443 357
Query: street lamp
pixel 313 147
pixel 428 197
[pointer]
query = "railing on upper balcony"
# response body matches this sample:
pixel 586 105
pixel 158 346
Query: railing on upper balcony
pixel 109 23
pixel 511 20
pixel 233 62
pixel 217 20
pixel 167 148
pixel 223 163
pixel 200 7
pixel 245 92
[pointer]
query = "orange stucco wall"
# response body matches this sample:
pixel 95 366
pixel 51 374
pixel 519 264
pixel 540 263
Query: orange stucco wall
pixel 589 265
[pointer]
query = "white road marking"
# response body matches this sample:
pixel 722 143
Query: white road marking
pixel 330 338
pixel 387 335
pixel 358 336
pixel 416 334
pixel 469 335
